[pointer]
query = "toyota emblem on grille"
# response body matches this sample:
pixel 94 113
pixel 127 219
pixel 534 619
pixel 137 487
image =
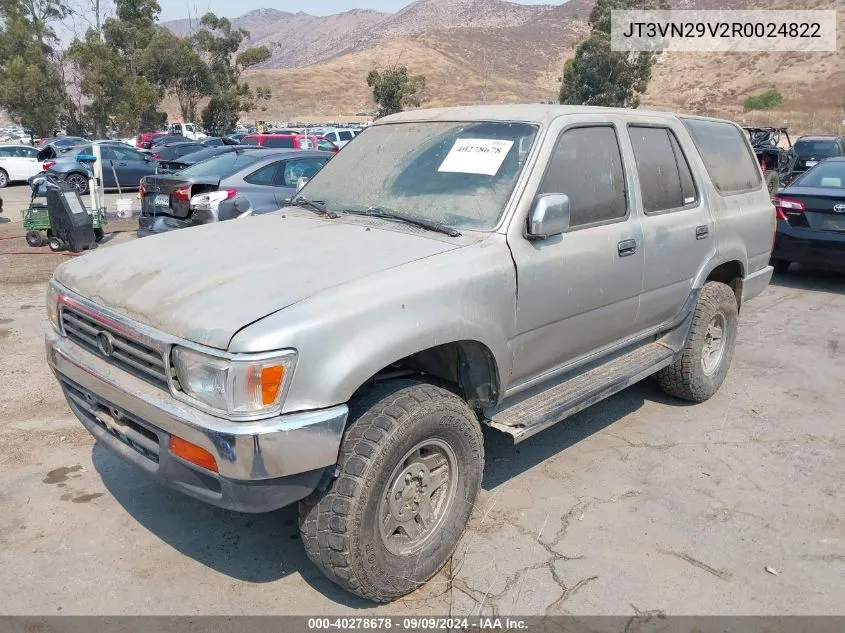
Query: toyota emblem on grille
pixel 839 208
pixel 105 342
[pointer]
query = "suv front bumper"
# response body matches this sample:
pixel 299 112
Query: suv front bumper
pixel 262 465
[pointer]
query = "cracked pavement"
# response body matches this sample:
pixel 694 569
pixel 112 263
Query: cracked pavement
pixel 638 506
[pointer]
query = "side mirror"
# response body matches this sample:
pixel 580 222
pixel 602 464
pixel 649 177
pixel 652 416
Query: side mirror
pixel 301 183
pixel 549 215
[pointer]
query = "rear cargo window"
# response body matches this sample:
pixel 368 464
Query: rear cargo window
pixel 284 143
pixel 816 149
pixel 726 155
pixel 665 179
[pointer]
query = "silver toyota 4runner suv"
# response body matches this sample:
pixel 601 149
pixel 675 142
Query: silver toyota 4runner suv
pixel 503 266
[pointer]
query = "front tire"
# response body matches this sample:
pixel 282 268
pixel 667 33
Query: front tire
pixel 34 239
pixel 409 472
pixel 707 355
pixel 99 234
pixel 4 178
pixel 56 244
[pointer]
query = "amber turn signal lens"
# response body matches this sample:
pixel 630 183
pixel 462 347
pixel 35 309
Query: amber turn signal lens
pixel 271 380
pixel 192 453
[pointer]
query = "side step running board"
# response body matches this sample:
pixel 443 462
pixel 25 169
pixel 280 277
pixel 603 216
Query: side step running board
pixel 536 413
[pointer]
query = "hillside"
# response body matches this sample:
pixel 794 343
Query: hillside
pixel 477 51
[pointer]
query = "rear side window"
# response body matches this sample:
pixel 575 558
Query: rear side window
pixel 665 178
pixel 263 176
pixel 285 143
pixel 587 167
pixel 726 155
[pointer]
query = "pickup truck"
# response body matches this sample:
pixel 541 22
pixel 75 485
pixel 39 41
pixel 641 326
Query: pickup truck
pixel 504 266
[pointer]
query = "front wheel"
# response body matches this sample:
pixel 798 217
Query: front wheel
pixel 409 471
pixel 4 178
pixel 98 235
pixel 34 239
pixel 707 355
pixel 56 244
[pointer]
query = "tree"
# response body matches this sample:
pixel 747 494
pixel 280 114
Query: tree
pixel 394 90
pixel 29 73
pixel 219 43
pixel 597 75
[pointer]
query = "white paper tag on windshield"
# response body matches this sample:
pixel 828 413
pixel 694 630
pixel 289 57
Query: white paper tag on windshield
pixel 476 156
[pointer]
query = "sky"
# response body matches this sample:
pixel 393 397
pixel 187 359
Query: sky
pixel 174 9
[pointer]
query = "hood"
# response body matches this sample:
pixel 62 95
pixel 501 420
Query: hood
pixel 205 283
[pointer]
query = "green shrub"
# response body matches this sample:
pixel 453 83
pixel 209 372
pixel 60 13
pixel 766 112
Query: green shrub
pixel 764 101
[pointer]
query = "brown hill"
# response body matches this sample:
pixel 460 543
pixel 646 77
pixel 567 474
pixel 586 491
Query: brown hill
pixel 489 51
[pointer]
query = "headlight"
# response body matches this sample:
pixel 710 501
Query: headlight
pixel 53 307
pixel 242 386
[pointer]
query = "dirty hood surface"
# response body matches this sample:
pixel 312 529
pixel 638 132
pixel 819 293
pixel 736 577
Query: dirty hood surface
pixel 206 283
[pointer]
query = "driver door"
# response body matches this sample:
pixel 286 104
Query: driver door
pixel 578 291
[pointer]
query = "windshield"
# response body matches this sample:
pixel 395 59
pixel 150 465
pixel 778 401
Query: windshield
pixel 221 166
pixel 826 174
pixel 458 174
pixel 817 148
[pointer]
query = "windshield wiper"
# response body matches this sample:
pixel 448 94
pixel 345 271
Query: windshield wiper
pixel 314 205
pixel 387 214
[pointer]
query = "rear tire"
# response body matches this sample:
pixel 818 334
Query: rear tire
pixel 409 472
pixel 780 266
pixel 98 235
pixel 34 239
pixel 707 355
pixel 79 182
pixel 55 244
pixel 772 182
pixel 4 178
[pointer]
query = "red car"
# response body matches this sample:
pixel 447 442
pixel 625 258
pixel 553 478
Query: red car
pixel 290 141
pixel 145 139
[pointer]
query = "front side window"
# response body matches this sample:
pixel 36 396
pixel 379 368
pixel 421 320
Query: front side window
pixel 587 166
pixel 665 178
pixel 344 136
pixel 457 173
pixel 296 169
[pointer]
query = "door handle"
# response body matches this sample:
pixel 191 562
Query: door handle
pixel 627 247
pixel 702 232
pixel 121 164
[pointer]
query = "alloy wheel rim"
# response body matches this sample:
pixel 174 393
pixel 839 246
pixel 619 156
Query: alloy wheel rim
pixel 714 344
pixel 418 496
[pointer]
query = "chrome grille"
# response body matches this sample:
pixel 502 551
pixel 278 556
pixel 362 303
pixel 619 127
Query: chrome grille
pixel 138 359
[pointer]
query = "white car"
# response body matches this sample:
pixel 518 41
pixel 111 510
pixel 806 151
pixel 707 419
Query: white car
pixel 18 163
pixel 338 136
pixel 188 130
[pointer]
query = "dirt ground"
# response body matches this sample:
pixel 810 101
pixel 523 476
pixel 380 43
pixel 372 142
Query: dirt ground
pixel 638 504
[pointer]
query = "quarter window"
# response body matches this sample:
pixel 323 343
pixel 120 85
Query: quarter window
pixel 263 176
pixel 726 155
pixel 587 166
pixel 665 179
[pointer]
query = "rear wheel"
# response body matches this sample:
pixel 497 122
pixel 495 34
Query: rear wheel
pixel 78 182
pixel 707 355
pixel 410 470
pixel 4 178
pixel 34 239
pixel 780 266
pixel 772 182
pixel 99 234
pixel 55 244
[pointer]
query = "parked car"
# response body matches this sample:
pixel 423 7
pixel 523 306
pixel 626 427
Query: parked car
pixel 175 164
pixel 126 163
pixel 188 130
pixel 166 139
pixel 289 141
pixel 811 219
pixel 348 350
pixel 165 153
pixel 145 139
pixel 18 163
pixel 235 139
pixel 248 181
pixel 338 136
pixel 62 141
pixel 811 150
pixel 217 141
